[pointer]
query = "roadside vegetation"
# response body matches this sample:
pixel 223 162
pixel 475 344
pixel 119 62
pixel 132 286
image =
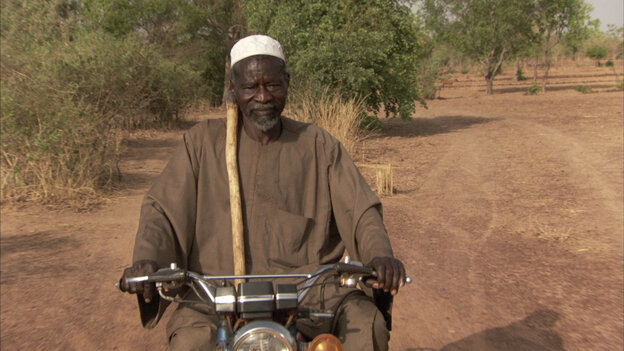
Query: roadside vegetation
pixel 79 75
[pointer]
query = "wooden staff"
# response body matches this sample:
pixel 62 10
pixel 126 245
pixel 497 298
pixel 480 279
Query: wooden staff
pixel 238 241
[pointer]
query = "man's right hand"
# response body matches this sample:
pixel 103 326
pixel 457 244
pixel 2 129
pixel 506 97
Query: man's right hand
pixel 138 269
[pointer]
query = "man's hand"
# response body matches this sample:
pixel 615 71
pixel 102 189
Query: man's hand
pixel 390 274
pixel 138 269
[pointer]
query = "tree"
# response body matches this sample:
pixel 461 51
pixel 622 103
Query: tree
pixel 487 31
pixel 554 18
pixel 199 33
pixel 368 49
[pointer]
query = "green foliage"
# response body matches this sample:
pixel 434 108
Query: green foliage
pixel 430 72
pixel 583 89
pixel 194 34
pixel 597 52
pixel 371 49
pixel 66 92
pixel 486 31
pixel 556 18
pixel 620 85
pixel 534 89
pixel 370 123
pixel 553 19
pixel 465 70
pixel 610 63
pixel 520 75
pixel 612 41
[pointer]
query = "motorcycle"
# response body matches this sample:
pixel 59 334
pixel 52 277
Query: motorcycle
pixel 260 315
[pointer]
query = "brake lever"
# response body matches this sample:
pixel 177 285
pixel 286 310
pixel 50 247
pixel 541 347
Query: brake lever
pixel 163 275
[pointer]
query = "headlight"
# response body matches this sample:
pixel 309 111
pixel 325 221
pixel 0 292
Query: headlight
pixel 325 342
pixel 263 336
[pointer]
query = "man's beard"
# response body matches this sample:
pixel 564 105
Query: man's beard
pixel 261 121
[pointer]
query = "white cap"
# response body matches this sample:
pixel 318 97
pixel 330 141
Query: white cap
pixel 256 45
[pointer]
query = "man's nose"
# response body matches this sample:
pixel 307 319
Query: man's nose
pixel 262 94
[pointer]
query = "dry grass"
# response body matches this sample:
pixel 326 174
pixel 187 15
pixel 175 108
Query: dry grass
pixel 341 118
pixel 384 177
pixel 331 112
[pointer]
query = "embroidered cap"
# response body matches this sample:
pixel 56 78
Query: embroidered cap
pixel 256 45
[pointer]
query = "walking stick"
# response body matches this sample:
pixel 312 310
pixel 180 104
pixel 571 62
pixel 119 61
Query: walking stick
pixel 238 244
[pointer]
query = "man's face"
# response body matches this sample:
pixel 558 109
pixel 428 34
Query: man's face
pixel 260 85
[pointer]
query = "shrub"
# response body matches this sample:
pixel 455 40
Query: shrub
pixel 66 93
pixel 620 85
pixel 534 89
pixel 370 123
pixel 610 63
pixel 53 147
pixel 465 70
pixel 583 89
pixel 125 78
pixel 520 75
pixel 429 72
pixel 364 50
pixel 597 52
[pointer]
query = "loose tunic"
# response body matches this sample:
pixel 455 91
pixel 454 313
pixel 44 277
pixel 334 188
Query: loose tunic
pixel 303 200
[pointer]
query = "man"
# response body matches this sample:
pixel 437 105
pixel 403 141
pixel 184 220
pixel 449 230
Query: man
pixel 303 201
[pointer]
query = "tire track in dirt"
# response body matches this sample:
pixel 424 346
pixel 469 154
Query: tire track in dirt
pixel 59 268
pixel 599 176
pixel 500 243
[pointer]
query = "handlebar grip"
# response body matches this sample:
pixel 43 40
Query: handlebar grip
pixel 120 285
pixel 352 268
pixel 145 278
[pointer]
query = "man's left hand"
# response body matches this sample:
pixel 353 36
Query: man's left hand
pixel 390 274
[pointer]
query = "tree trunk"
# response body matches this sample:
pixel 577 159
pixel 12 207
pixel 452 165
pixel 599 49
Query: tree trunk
pixel 490 85
pixel 545 81
pixel 548 62
pixel 535 63
pixel 617 76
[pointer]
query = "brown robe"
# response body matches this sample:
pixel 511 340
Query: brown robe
pixel 304 201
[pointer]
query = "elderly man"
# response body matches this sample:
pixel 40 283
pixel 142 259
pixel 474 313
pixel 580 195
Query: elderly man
pixel 303 202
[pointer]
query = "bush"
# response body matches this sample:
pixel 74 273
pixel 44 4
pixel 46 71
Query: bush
pixel 53 147
pixel 364 50
pixel 465 70
pixel 620 85
pixel 429 72
pixel 583 89
pixel 534 89
pixel 65 95
pixel 597 52
pixel 370 123
pixel 127 79
pixel 610 63
pixel 520 75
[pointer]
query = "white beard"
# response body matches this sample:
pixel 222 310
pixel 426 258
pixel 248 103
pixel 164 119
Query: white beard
pixel 265 123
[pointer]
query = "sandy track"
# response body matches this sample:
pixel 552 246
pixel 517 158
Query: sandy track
pixel 508 215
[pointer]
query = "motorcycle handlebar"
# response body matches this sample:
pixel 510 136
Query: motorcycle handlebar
pixel 174 274
pixel 162 275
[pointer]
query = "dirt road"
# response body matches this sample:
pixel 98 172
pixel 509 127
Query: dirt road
pixel 508 214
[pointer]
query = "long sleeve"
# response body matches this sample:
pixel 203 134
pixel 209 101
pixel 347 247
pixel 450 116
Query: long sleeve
pixel 166 225
pixel 356 209
pixel 371 236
